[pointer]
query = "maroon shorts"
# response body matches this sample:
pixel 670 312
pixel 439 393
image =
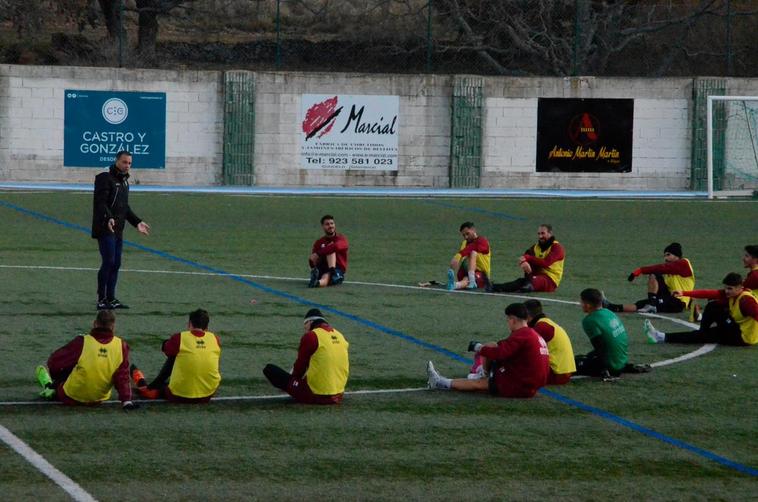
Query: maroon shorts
pixel 501 385
pixel 300 391
pixel 558 378
pixel 542 283
pixel 481 277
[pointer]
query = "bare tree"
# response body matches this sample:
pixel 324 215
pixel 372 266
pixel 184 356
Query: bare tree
pixel 147 21
pixel 561 37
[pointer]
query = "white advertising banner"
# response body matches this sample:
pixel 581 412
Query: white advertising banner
pixel 348 132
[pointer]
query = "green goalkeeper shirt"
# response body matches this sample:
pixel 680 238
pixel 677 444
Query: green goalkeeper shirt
pixel 608 337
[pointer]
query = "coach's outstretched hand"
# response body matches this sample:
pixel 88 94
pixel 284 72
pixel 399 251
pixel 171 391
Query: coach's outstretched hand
pixel 474 346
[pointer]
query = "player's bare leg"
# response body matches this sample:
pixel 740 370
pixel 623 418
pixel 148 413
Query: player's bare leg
pixel 331 262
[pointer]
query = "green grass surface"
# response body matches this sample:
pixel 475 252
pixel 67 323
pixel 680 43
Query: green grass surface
pixel 423 445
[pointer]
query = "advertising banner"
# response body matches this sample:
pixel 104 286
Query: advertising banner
pixel 99 124
pixel 584 135
pixel 348 132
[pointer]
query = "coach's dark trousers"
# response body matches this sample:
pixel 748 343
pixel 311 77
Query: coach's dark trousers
pixel 107 276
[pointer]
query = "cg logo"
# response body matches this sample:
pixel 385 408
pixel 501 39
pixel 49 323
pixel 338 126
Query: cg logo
pixel 115 111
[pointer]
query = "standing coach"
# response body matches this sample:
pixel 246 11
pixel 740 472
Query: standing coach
pixel 110 212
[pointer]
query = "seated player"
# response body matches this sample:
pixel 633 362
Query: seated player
pixel 191 371
pixel 716 312
pixel 322 366
pixel 471 264
pixel 542 265
pixel 674 274
pixel 607 335
pixel 515 367
pixel 740 327
pixel 562 364
pixel 85 370
pixel 328 259
pixel 750 261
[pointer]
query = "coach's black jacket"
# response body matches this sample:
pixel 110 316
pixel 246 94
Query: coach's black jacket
pixel 111 201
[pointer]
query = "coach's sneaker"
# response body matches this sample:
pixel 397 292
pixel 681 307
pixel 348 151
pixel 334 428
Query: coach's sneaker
pixel 313 283
pixel 435 380
pixel 450 279
pixel 652 334
pixel 103 305
pixel 115 304
pixel 647 309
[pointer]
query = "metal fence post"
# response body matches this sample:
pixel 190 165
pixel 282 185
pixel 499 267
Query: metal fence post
pixel 429 36
pixel 278 36
pixel 701 89
pixel 239 128
pixel 121 34
pixel 466 133
pixel 575 55
pixel 729 61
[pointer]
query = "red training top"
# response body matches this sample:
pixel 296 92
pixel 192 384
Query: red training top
pixel 545 330
pixel 336 243
pixel 480 245
pixel 308 347
pixel 751 281
pixel 748 303
pixel 523 363
pixel 557 253
pixel 679 267
pixel 62 362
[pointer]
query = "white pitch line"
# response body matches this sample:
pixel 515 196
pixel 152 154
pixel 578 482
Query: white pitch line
pixel 265 397
pixel 699 352
pixel 279 278
pixel 708 347
pixel 69 486
pixel 380 284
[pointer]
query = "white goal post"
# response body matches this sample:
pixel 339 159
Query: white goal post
pixel 738 146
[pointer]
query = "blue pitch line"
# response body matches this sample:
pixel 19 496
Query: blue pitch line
pixel 398 334
pixel 495 214
pixel 651 433
pixel 243 280
pixel 374 191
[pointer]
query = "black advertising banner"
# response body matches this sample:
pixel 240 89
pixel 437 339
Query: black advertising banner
pixel 584 135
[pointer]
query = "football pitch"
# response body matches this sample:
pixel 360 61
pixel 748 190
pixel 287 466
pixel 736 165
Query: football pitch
pixel 686 430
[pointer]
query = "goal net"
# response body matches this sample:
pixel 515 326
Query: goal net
pixel 732 135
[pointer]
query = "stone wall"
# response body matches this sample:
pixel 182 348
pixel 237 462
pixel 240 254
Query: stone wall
pixel 31 122
pixel 31 127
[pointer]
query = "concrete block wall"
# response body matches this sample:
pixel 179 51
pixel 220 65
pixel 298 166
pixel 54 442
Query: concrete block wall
pixel 31 122
pixel 424 125
pixel 31 127
pixel 661 136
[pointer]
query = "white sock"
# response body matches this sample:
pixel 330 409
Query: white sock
pixel 443 383
pixel 472 277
